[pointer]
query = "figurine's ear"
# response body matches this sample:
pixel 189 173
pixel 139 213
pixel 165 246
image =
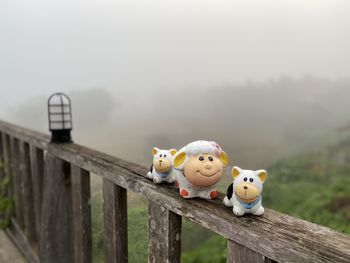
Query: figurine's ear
pixel 262 175
pixel 179 159
pixel 236 171
pixel 173 151
pixel 155 150
pixel 224 158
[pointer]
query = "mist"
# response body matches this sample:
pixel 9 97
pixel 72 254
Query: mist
pixel 265 79
pixel 256 124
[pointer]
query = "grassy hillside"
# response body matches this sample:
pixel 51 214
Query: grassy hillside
pixel 313 186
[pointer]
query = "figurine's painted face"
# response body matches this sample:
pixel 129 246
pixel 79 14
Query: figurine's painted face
pixel 162 159
pixel 203 170
pixel 248 184
pixel 201 163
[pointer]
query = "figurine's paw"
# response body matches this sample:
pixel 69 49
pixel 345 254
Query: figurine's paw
pixel 184 193
pixel 213 194
pixel 259 211
pixel 171 180
pixel 237 211
pixel 207 194
pixel 156 180
pixel 149 175
pixel 227 202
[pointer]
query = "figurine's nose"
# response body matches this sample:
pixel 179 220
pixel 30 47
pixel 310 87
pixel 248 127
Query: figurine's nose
pixel 245 187
pixel 160 161
pixel 208 166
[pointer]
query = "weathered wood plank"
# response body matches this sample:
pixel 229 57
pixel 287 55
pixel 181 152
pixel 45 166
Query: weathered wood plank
pixel 81 215
pixel 37 170
pixel 19 239
pixel 6 166
pixel 274 235
pixel 164 234
pixel 6 154
pixel 115 222
pixel 27 194
pixel 237 253
pixel 34 138
pixel 56 239
pixel 174 236
pixel 17 182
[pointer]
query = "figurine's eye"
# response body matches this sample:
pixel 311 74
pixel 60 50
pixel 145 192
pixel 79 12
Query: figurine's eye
pixel 251 180
pixel 160 155
pixel 210 158
pixel 164 155
pixel 245 179
pixel 201 158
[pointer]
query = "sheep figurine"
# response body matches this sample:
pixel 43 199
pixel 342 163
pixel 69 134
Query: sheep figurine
pixel 199 167
pixel 162 167
pixel 244 194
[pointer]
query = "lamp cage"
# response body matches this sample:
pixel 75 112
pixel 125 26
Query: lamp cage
pixel 60 117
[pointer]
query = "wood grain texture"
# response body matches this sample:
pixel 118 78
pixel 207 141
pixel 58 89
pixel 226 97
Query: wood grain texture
pixel 37 170
pixel 56 239
pixel 6 151
pixel 164 234
pixel 277 236
pixel 27 194
pixel 115 222
pixel 17 181
pixel 237 253
pixel 81 215
pixel 18 237
pixel 34 138
pixel 7 168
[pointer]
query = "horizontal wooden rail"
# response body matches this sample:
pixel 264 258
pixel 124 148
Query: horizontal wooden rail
pixel 273 236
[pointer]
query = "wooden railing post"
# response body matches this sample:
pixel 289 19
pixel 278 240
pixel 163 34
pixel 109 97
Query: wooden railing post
pixel 27 194
pixel 115 222
pixel 37 170
pixel 17 181
pixel 6 165
pixel 164 234
pixel 81 215
pixel 237 253
pixel 6 154
pixel 56 244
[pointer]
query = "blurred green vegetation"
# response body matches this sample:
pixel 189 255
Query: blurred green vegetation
pixel 193 235
pixel 313 186
pixel 6 203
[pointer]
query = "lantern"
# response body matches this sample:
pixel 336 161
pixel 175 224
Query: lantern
pixel 60 118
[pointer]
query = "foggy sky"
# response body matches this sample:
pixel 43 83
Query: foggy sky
pixel 135 47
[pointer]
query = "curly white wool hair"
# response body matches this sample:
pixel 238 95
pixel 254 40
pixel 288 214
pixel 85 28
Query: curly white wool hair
pixel 198 147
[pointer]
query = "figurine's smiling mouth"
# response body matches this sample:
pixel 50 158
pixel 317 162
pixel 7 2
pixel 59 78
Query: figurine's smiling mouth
pixel 208 175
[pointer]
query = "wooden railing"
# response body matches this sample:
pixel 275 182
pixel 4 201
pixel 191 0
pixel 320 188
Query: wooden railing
pixel 51 220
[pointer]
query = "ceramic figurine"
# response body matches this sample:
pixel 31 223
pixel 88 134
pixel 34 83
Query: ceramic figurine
pixel 244 194
pixel 199 167
pixel 162 166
